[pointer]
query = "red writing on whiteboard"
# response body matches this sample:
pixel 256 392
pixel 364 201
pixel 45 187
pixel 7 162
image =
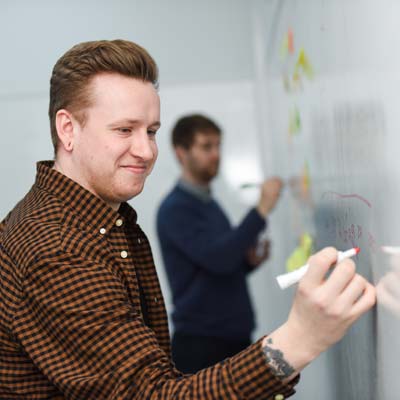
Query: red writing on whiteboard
pixel 339 227
pixel 349 196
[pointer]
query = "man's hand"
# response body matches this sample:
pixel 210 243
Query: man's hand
pixel 259 253
pixel 270 192
pixel 324 309
pixel 322 312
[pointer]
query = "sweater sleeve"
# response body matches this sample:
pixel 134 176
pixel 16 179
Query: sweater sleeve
pixel 188 232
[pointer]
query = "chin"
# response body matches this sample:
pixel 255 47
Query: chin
pixel 133 193
pixel 211 176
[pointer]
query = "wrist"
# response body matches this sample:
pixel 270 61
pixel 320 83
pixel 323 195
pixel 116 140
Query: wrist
pixel 296 349
pixel 262 210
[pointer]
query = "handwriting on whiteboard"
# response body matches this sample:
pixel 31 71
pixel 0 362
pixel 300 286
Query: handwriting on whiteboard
pixel 343 226
pixel 349 196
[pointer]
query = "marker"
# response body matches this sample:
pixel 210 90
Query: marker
pixel 289 279
pixel 249 185
pixel 394 250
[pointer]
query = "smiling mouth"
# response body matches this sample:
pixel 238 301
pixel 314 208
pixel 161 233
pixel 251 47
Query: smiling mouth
pixel 136 169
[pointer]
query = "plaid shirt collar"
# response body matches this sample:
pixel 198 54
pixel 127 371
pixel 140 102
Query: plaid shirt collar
pixel 90 208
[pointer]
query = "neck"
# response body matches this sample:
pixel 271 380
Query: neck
pixel 57 167
pixel 195 181
pixel 67 170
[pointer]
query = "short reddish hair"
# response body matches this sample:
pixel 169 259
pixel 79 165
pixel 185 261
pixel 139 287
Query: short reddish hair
pixel 73 72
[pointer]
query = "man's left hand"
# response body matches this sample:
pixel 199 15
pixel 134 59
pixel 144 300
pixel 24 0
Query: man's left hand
pixel 259 253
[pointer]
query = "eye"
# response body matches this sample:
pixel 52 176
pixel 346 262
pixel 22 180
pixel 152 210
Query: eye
pixel 152 132
pixel 124 130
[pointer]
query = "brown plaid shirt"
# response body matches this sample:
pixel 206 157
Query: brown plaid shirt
pixel 71 321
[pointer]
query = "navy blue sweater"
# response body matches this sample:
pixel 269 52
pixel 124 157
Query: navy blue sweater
pixel 206 267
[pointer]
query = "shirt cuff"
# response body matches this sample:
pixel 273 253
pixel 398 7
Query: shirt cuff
pixel 253 378
pixel 257 219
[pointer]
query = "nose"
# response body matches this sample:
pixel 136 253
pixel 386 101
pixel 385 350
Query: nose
pixel 142 146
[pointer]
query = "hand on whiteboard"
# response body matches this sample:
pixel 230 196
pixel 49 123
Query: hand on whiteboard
pixel 270 192
pixel 322 311
pixel 324 308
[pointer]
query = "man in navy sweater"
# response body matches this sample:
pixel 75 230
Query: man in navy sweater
pixel 206 259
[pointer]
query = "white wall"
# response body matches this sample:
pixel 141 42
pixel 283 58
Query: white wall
pixel 192 41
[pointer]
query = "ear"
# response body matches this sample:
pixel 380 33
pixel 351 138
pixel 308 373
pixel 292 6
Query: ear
pixel 65 125
pixel 181 154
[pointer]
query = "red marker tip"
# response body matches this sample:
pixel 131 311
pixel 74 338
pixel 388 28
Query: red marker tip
pixel 357 249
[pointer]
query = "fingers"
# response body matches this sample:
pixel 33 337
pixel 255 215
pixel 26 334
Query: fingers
pixel 345 289
pixel 269 196
pixel 365 302
pixel 274 184
pixel 319 265
pixel 272 191
pixel 324 309
pixel 353 291
pixel 340 278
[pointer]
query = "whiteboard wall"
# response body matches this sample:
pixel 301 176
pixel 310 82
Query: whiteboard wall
pixel 329 88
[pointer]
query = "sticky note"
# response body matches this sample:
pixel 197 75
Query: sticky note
pixel 294 121
pixel 287 46
pixel 303 64
pixel 290 41
pixel 301 253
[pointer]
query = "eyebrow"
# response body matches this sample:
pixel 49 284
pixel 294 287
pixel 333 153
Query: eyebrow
pixel 155 124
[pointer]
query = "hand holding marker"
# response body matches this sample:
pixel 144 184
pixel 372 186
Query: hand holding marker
pixel 293 277
pixel 286 280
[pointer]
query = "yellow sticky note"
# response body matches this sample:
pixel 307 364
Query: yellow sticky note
pixel 304 64
pixel 301 253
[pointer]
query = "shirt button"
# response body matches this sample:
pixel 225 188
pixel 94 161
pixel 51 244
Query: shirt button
pixel 124 254
pixel 155 300
pixel 119 222
pixel 138 240
pixel 279 397
pixel 103 231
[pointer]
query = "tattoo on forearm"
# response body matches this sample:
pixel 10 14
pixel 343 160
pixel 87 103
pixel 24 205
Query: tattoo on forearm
pixel 275 359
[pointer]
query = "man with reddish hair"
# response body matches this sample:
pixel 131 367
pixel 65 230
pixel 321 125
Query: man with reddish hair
pixel 81 311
